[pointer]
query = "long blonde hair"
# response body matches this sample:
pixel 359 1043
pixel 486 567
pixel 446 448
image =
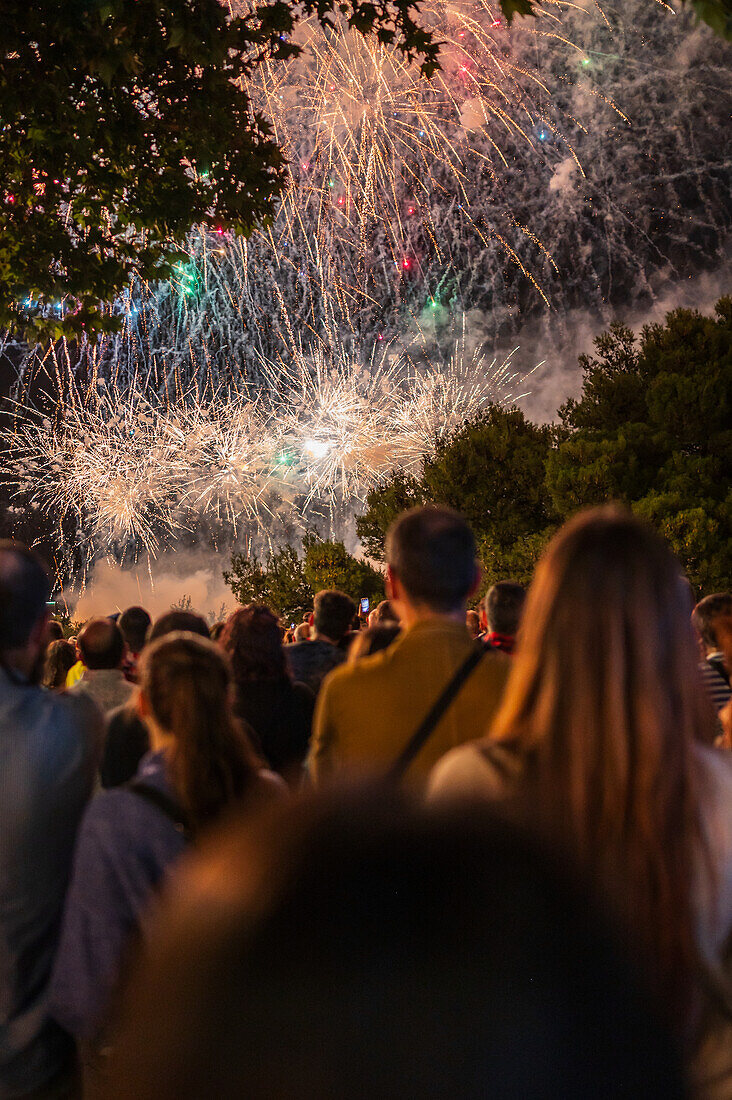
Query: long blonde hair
pixel 605 704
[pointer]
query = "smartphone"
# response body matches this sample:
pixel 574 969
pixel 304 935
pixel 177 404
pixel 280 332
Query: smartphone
pixel 364 605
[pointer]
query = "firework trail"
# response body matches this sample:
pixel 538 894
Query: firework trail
pixel 287 374
pixel 105 465
pixel 133 473
pixel 381 200
pixel 370 142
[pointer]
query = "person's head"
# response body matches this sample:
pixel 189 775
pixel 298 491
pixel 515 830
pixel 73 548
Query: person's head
pixel 472 621
pixel 251 637
pixel 384 612
pixel 712 619
pixel 332 615
pixel 100 644
pixel 359 928
pixel 503 606
pixel 185 698
pixel 431 561
pixel 60 657
pixel 24 591
pixel 603 700
pixel 54 631
pixel 134 624
pixel 373 640
pixel 172 621
pixel 302 632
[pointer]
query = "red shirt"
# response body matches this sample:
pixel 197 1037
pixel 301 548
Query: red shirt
pixel 505 642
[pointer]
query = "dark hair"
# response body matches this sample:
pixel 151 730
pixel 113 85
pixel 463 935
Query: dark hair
pixel 332 614
pixel 54 631
pixel 472 621
pixel 432 552
pixel 186 681
pixel 134 624
pixel 252 639
pixel 24 591
pixel 101 644
pixel 60 657
pixel 504 604
pixel 359 929
pixel 604 705
pixel 172 621
pixel 216 630
pixel 373 640
pixel 705 614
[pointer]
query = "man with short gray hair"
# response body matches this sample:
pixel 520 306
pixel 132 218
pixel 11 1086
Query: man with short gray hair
pixel 49 746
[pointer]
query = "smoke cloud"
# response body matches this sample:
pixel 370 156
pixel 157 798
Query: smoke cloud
pixel 174 577
pixel 560 375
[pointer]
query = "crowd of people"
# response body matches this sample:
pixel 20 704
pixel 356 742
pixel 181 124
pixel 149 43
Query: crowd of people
pixel 461 849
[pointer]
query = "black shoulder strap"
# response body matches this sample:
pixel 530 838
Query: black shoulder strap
pixel 433 716
pixel 165 804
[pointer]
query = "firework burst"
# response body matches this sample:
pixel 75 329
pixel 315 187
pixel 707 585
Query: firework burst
pixel 371 143
pixel 133 475
pixel 104 464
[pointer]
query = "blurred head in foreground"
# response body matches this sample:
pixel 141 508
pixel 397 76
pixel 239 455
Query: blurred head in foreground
pixel 24 590
pixel 360 948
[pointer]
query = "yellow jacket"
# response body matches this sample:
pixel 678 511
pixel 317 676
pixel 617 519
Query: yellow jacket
pixel 367 712
pixel 75 673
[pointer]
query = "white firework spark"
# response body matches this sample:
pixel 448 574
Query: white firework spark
pixel 226 452
pixel 135 475
pixel 438 402
pixel 106 464
pixel 335 423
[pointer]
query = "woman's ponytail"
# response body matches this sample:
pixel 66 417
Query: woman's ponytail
pixel 187 682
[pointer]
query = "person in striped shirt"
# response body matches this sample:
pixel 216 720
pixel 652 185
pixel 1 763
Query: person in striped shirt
pixel 712 620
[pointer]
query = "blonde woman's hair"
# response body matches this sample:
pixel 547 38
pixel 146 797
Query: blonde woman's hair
pixel 604 704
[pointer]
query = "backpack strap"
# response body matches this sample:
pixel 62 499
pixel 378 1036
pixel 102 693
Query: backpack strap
pixel 164 803
pixel 433 716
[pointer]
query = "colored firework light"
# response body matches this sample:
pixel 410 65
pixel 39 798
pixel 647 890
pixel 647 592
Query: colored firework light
pixel 371 142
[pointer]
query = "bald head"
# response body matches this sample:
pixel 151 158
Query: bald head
pixel 101 644
pixel 24 590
